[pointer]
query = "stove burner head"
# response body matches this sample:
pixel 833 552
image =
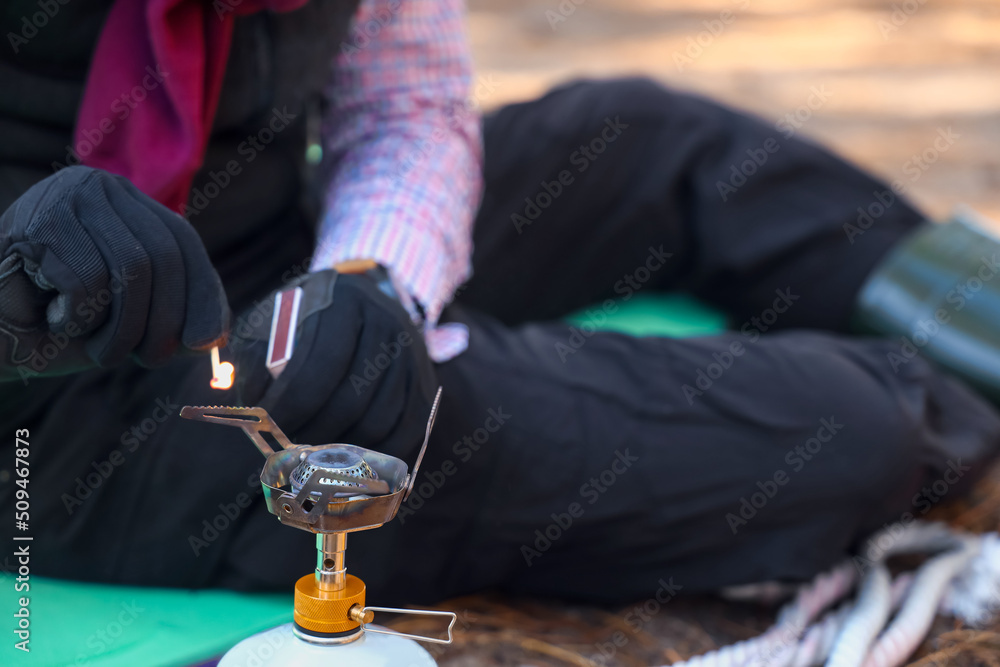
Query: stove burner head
pixel 322 489
pixel 342 462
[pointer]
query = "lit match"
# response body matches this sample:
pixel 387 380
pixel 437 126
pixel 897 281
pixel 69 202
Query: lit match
pixel 222 372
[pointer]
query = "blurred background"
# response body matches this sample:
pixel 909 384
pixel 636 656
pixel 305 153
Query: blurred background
pixel 876 81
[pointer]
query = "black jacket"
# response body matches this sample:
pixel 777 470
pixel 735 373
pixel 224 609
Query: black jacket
pixel 257 217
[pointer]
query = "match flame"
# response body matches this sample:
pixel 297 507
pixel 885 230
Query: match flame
pixel 222 372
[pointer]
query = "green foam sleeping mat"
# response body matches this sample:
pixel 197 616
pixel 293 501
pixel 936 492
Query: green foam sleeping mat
pixel 77 624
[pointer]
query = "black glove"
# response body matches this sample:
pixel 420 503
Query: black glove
pixel 359 371
pixel 93 271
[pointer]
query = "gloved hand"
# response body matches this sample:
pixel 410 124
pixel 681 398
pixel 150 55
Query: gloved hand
pixel 93 271
pixel 359 371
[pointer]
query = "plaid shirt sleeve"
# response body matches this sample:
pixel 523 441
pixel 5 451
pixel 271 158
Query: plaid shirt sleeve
pixel 405 144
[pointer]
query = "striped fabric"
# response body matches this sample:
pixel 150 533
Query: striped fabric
pixel 405 144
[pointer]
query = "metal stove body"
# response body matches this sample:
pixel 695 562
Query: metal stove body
pixel 330 490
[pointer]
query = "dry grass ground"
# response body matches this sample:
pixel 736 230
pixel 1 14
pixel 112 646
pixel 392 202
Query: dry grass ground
pixel 494 631
pixel 895 73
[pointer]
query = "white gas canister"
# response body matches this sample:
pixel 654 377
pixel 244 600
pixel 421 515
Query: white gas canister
pixel 281 647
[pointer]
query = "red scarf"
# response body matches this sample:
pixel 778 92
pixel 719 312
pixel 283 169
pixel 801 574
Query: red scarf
pixel 153 88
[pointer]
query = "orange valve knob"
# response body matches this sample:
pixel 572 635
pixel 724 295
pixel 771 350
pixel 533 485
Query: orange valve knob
pixel 327 611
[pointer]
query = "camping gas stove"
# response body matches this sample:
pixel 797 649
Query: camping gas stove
pixel 330 490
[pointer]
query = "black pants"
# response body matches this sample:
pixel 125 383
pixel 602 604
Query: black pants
pixel 567 462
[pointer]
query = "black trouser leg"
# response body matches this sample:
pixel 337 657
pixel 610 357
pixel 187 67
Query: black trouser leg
pixel 615 466
pixel 612 169
pixel 821 435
